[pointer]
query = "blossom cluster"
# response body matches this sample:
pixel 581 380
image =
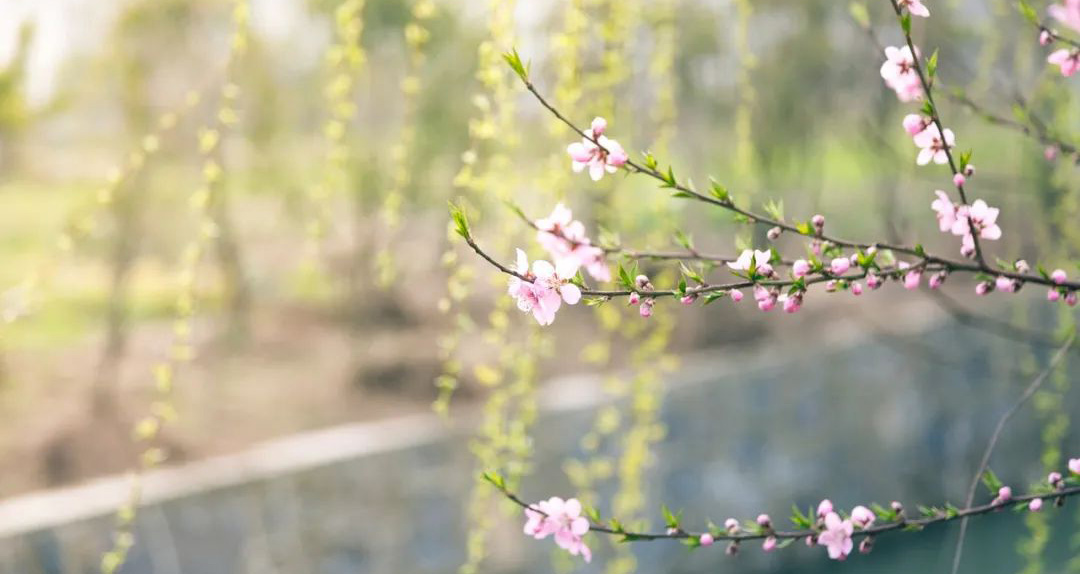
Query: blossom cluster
pixel 828 527
pixel 543 287
pixel 597 152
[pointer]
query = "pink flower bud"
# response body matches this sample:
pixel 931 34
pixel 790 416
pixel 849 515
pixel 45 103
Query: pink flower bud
pixel 1070 299
pixel 937 279
pixel 706 539
pixel 688 299
pixel 645 309
pixel 792 303
pixel 1053 296
pixel 830 285
pixel 1050 153
pixel 642 283
pixel 862 516
pixel 773 233
pixel 840 265
pixel 896 506
pixel 914 123
pixel 811 541
pixel 763 520
pixel 815 247
pixel 769 545
pixel 599 125
pixel 1004 284
pixel 767 304
pixel 1021 266
pixel 873 281
pixel 671 531
pixel 983 287
pixel 1045 38
pixel 1004 494
pixel 818 221
pixel 634 298
pixel 736 295
pixel 866 545
pixel 800 268
pixel 958 179
pixel 967 250
pixel 969 169
pixel 912 279
pixel 731 525
pixel 765 269
pixel 856 288
pixel 1058 276
pixel 732 549
pixel 1054 479
pixel 1035 505
pixel 824 507
pixel 1074 465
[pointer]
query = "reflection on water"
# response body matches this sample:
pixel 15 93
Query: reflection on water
pixel 889 417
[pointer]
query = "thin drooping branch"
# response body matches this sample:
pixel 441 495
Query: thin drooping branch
pixel 1036 130
pixel 944 263
pixel 1008 414
pixel 995 326
pixel 947 514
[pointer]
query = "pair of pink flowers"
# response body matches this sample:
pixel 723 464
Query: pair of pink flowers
pixel 966 221
pixel 836 532
pixel 597 152
pixel 900 74
pixel 564 238
pixel 1068 13
pixel 544 287
pixel 562 519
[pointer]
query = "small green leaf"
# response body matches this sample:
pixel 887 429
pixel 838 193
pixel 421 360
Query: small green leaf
pixel 905 23
pixel 461 223
pixel 992 482
pixel 859 14
pixel 719 191
pixel 495 479
pixel 931 64
pixel 1028 12
pixel 714 295
pixel 514 60
pixel 686 241
pixel 649 160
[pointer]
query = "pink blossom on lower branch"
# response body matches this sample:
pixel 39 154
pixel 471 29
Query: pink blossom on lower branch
pixel 562 519
pixel 1068 13
pixel 607 156
pixel 564 238
pixel 836 538
pixel 1068 61
pixel 546 288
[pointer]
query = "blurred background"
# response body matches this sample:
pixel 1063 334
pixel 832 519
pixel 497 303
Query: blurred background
pixel 231 299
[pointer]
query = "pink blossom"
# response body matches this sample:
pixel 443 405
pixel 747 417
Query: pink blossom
pixel 564 238
pixel 831 285
pixel 818 221
pixel 550 287
pixel 915 123
pixel 1068 60
pixel 645 310
pixel 1070 299
pixel 706 539
pixel 811 541
pixel 862 517
pixel 1035 505
pixel 562 519
pixel 752 261
pixel 736 295
pixel 1050 153
pixel 633 299
pixel 769 545
pixel 764 521
pixel 1053 296
pixel 915 7
pixel 1045 38
pixel 983 287
pixel 1058 276
pixel 982 216
pixel 688 299
pixel 1054 479
pixel 731 525
pixel 837 536
pixel 840 265
pixel 1074 465
pixel 607 156
pixel 933 145
pixel 873 281
pixel 1068 13
pixel 856 288
pixel 765 298
pixel 1004 495
pixel 800 268
pixel 959 180
pixel 946 210
pixel 899 73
